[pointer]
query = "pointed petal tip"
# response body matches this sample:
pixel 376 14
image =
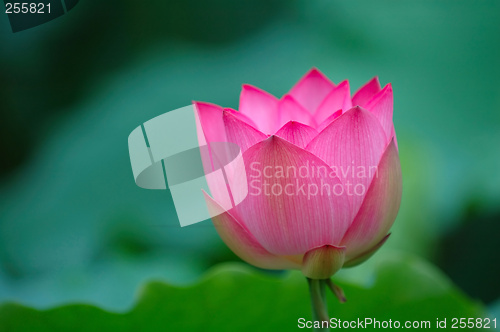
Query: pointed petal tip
pixel 315 72
pixel 297 133
pixel 287 97
pixel 387 89
pixel 246 86
pixel 294 124
pixel 227 115
pixel 290 109
pixel 291 123
pixel 252 88
pixel 206 107
pixel 346 85
pixel 273 139
pixel 205 103
pixel 261 107
pixel 352 113
pixel 375 79
pixel 344 82
pixel 240 132
pixel 248 89
pixel 338 98
pixel 355 111
pixel 311 89
pixel 366 92
pixel 392 144
pixel 207 196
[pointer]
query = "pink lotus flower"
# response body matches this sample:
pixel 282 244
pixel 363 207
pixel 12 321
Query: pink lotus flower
pixel 322 170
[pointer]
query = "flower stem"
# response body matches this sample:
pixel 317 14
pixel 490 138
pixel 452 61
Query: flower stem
pixel 318 302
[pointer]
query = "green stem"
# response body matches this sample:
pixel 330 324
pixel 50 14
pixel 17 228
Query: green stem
pixel 318 302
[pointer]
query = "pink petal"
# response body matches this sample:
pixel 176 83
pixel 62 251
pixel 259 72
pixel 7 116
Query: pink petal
pixel 311 89
pixel 381 105
pixel 366 92
pixel 240 132
pixel 210 128
pixel 297 133
pixel 338 98
pixel 241 116
pixel 211 132
pixel 329 120
pixel 261 107
pixel 289 209
pixel 210 116
pixel 290 110
pixel 380 207
pixel 352 145
pixel 241 242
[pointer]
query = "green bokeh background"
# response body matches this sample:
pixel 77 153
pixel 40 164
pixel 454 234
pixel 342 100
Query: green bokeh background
pixel 74 228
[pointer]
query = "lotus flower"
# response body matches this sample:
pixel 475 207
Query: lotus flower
pixel 322 171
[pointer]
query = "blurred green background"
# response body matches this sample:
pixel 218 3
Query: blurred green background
pixel 74 228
